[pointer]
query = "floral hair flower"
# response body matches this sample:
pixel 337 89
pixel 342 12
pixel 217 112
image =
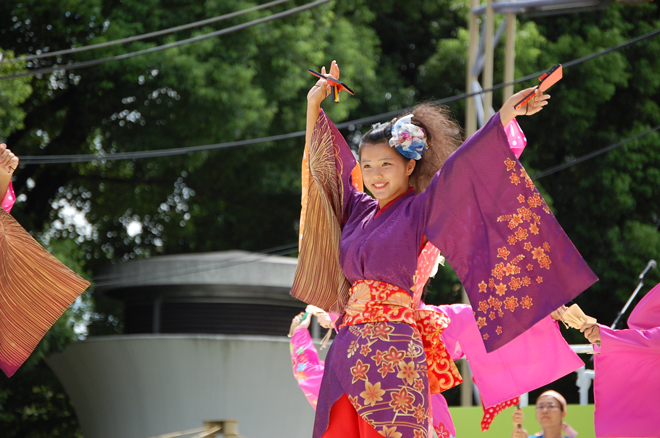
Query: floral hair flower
pixel 408 138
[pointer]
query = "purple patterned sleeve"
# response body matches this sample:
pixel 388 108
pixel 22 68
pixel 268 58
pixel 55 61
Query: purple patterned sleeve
pixel 488 219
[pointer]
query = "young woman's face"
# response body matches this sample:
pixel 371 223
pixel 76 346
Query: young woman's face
pixel 548 411
pixel 384 171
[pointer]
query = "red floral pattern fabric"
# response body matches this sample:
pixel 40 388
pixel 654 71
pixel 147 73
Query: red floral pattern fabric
pixel 377 302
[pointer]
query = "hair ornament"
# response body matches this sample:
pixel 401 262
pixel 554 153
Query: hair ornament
pixel 408 138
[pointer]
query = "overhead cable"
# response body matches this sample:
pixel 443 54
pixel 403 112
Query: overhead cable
pixel 85 158
pixel 575 161
pixel 93 62
pixel 146 35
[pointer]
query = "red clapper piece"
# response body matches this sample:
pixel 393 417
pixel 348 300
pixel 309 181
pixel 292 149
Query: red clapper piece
pixel 334 83
pixel 548 79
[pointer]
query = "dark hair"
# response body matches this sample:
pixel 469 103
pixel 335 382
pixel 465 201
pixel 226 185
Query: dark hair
pixel 443 136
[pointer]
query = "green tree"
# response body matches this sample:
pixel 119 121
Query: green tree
pixel 253 83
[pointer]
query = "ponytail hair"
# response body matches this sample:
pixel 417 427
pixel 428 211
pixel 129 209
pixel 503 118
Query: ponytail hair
pixel 443 136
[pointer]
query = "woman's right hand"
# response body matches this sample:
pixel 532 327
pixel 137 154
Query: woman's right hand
pixel 8 161
pixel 591 331
pixel 520 432
pixel 322 89
pixel 518 416
pixel 302 323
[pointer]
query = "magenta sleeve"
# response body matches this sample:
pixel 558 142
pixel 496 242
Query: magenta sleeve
pixel 9 199
pixel 307 368
pixel 516 137
pixel 629 341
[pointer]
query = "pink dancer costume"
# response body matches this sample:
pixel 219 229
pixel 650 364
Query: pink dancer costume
pixel 627 377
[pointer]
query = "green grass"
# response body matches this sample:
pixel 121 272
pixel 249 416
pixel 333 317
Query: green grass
pixel 468 422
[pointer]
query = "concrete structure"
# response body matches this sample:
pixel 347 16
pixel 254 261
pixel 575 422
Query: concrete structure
pixel 206 340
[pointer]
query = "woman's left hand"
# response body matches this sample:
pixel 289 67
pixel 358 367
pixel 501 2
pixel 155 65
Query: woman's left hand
pixel 536 104
pixel 558 314
pixel 591 332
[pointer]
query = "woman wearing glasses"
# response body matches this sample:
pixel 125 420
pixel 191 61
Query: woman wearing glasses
pixel 550 413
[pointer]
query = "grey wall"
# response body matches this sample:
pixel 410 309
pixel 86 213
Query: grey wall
pixel 138 386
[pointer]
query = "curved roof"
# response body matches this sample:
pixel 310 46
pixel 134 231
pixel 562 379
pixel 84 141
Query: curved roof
pixel 225 270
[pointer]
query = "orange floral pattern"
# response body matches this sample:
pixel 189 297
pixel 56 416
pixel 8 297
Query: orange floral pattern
pixel 524 225
pixel 378 302
pixel 391 370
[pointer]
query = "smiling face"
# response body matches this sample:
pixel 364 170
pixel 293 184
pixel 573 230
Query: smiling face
pixel 384 171
pixel 551 413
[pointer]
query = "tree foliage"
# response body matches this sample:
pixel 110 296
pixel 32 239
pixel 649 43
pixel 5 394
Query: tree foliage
pixel 253 83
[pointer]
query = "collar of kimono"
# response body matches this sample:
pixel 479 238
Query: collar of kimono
pixel 380 210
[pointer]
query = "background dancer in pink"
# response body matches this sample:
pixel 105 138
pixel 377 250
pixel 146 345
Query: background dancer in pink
pixel 627 372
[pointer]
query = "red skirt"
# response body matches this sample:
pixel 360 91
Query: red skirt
pixel 345 422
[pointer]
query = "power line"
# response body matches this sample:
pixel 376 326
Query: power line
pixel 85 64
pixel 147 35
pixel 559 167
pixel 86 158
pixel 612 49
pixel 126 279
pixel 80 158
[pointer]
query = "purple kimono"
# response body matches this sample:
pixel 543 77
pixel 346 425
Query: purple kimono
pixel 485 215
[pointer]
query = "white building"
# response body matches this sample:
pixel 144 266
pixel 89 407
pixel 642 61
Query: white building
pixel 205 339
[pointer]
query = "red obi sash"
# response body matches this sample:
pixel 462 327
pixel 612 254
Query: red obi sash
pixel 375 301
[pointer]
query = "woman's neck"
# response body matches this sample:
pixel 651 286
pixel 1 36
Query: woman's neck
pixel 553 431
pixel 383 205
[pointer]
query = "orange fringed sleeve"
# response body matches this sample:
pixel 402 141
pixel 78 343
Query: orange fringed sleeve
pixel 35 290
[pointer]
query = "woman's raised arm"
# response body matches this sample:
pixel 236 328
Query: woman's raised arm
pixel 508 111
pixel 314 98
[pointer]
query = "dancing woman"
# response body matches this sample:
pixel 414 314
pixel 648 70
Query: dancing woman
pixel 358 256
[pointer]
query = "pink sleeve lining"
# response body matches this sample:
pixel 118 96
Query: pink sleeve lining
pixel 10 199
pixel 516 137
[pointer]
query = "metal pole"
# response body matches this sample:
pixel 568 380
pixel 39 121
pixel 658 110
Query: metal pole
pixel 316 329
pixel 632 297
pixel 228 428
pixel 470 108
pixel 510 55
pixel 489 61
